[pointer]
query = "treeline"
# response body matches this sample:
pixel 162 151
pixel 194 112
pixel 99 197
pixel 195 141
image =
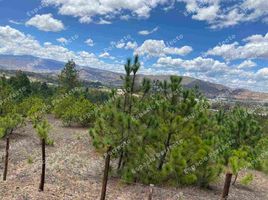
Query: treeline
pixel 158 132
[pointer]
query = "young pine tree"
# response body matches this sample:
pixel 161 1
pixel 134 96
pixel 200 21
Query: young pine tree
pixel 42 129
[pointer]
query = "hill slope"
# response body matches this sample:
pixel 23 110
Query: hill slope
pixel 74 170
pixel 50 68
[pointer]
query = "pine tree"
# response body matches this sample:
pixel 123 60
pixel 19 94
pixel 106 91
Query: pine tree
pixel 42 129
pixel 69 77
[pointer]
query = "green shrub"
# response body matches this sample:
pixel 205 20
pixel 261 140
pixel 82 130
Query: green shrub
pixel 8 123
pixel 75 111
pixel 246 180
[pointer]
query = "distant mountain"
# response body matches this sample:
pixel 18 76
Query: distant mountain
pixel 48 70
pixel 30 63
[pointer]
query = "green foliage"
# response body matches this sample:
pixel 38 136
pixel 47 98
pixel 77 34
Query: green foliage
pixel 8 123
pixel 9 97
pixel 41 89
pixel 19 81
pixel 168 136
pixel 159 132
pixel 242 133
pixel 69 77
pixel 42 128
pixel 31 106
pixel 74 110
pixel 30 160
pixel 80 112
pixel 246 180
pixel 49 142
pixel 60 104
pixel 96 96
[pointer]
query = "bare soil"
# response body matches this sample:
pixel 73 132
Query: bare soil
pixel 74 171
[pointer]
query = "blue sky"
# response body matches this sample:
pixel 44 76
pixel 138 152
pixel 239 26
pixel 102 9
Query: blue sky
pixel 222 41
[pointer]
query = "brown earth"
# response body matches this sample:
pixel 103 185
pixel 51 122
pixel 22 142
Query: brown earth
pixel 74 171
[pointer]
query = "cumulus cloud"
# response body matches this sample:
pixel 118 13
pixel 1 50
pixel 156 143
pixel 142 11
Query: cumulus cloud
pixel 131 45
pixel 86 10
pixel 219 14
pixel 247 64
pixel 127 45
pixel 62 40
pixel 46 23
pixel 263 73
pixel 214 71
pixel 89 42
pixel 103 21
pixel 158 48
pixel 120 45
pixel 106 55
pixel 146 32
pixel 14 42
pixel 256 46
pixel 198 64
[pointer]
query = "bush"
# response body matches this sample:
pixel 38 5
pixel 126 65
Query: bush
pixel 31 106
pixel 61 103
pixel 246 180
pixel 9 123
pixel 75 111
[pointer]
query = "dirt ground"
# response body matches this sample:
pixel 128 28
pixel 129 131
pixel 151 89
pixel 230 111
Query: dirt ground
pixel 74 171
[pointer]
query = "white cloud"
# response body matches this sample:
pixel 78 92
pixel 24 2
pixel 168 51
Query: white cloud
pixel 14 22
pixel 214 71
pixel 131 45
pixel 85 20
pixel 120 45
pixel 86 10
pixel 125 17
pixel 263 73
pixel 198 64
pixel 219 14
pixel 46 23
pixel 146 32
pixel 127 45
pixel 256 46
pixel 103 21
pixel 62 40
pixel 14 42
pixel 106 55
pixel 158 48
pixel 247 64
pixel 89 42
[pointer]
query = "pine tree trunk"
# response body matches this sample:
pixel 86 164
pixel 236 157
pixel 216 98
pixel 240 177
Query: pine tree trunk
pixel 42 182
pixel 125 103
pixel 120 160
pixel 235 179
pixel 131 93
pixel 162 159
pixel 228 179
pixel 106 173
pixel 151 192
pixel 6 160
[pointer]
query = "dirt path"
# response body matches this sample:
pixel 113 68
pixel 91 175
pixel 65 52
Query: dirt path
pixel 74 171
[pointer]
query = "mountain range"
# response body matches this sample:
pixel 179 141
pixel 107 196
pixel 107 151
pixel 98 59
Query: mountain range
pixel 47 70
